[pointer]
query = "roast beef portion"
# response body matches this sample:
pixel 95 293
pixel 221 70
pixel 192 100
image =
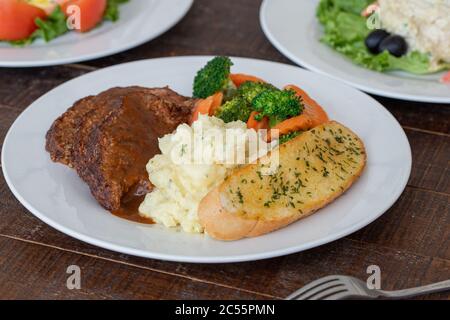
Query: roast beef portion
pixel 109 138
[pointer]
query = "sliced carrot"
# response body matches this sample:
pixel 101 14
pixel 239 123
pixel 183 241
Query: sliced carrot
pixel 203 106
pixel 301 122
pixel 311 108
pixel 252 123
pixel 207 106
pixel 240 78
pixel 217 102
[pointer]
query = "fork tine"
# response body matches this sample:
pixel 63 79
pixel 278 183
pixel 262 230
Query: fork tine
pixel 328 293
pixel 330 287
pixel 311 286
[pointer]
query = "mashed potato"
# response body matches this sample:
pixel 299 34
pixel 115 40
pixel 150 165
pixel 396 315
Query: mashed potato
pixel 183 177
pixel 425 24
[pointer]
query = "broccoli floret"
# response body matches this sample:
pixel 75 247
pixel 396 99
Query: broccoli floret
pixel 213 77
pixel 289 136
pixel 233 110
pixel 249 90
pixel 278 105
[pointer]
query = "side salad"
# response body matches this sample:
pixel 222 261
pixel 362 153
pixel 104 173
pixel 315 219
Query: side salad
pixel 241 97
pixel 24 21
pixel 346 30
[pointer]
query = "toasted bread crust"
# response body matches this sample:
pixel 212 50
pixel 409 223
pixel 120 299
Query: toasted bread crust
pixel 222 224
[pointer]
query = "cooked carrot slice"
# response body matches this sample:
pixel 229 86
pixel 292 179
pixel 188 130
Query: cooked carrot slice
pixel 203 106
pixel 311 108
pixel 301 122
pixel 240 78
pixel 216 103
pixel 252 123
pixel 207 106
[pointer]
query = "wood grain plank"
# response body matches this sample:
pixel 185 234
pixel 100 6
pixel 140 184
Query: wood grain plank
pixel 419 222
pixel 431 161
pixel 7 116
pixel 210 28
pixel 272 278
pixel 20 87
pixel 427 116
pixel 36 272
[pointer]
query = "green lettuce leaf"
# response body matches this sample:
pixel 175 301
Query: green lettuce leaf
pixel 345 30
pixel 52 27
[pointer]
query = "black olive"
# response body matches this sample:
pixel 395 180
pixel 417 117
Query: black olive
pixel 374 39
pixel 395 45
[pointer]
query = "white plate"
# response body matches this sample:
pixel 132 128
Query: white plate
pixel 140 21
pixel 55 194
pixel 292 27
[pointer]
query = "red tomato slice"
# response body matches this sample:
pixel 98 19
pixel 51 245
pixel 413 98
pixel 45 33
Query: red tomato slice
pixel 17 19
pixel 91 12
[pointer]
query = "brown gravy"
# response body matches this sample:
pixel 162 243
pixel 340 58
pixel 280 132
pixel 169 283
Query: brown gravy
pixel 129 207
pixel 129 211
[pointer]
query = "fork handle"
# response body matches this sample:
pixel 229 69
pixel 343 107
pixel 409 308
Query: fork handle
pixel 412 292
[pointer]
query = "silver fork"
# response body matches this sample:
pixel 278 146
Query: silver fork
pixel 344 287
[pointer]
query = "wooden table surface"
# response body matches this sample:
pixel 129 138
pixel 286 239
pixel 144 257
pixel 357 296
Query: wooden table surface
pixel 410 242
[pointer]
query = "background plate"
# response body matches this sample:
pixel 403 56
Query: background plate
pixel 56 195
pixel 292 27
pixel 140 21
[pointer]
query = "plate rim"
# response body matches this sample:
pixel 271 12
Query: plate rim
pixel 104 53
pixel 197 259
pixel 299 61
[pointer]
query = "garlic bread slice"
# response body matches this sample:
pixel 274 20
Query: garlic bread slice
pixel 314 169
